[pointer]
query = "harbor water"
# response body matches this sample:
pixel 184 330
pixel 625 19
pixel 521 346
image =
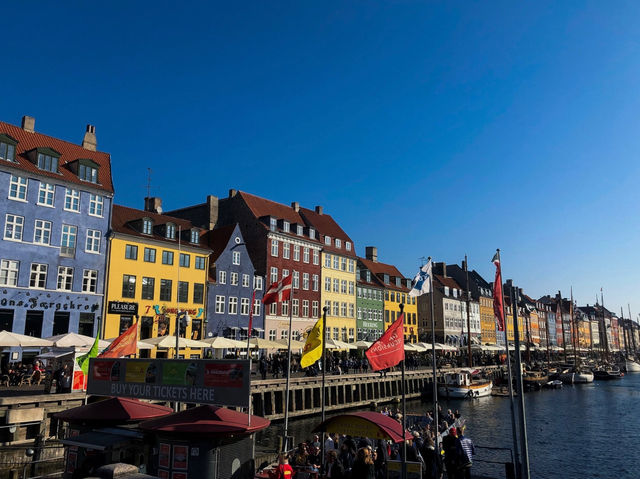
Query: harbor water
pixel 581 431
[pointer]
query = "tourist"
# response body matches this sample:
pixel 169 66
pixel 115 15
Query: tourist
pixel 467 459
pixel 363 467
pixel 452 453
pixel 432 462
pixel 284 470
pixel 335 470
pixel 263 368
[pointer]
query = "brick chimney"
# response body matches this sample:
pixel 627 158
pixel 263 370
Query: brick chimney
pixel 319 210
pixel 153 204
pixel 441 268
pixel 89 141
pixel 213 207
pixel 29 123
pixel 296 206
pixel 371 252
pixel 232 193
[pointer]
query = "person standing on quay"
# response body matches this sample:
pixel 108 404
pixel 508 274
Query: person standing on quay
pixel 452 453
pixel 469 452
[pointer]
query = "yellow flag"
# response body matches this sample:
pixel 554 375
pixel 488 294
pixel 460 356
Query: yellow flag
pixel 313 346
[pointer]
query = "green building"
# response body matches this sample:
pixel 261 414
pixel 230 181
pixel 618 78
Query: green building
pixel 369 304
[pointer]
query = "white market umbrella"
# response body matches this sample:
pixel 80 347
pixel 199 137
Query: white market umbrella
pixel 9 340
pixel 294 344
pixel 75 340
pixel 362 344
pixel 410 347
pixel 170 342
pixel 220 342
pixel 337 344
pixel 140 344
pixel 265 344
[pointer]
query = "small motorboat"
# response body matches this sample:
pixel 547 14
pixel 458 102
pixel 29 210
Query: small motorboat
pixel 607 372
pixel 461 385
pixel 576 376
pixel 534 379
pixel 555 384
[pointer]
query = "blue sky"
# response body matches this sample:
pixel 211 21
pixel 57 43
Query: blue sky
pixel 425 128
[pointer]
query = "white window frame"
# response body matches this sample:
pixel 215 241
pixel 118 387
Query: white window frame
pixel 257 283
pixel 305 255
pixel 312 233
pixel 256 307
pixel 15 233
pixel 235 258
pixel 96 205
pixel 273 335
pixel 244 306
pixel 233 305
pixel 286 250
pixel 40 270
pixel 18 188
pixel 305 308
pixel 315 280
pixel 327 260
pixel 274 248
pixel 347 245
pixel 273 276
pixel 295 307
pixel 315 309
pixel 296 279
pixel 70 232
pixel 296 252
pixel 327 240
pixel 305 281
pixel 90 281
pixel 300 230
pixel 222 277
pixel 220 304
pixel 65 278
pixel 49 192
pixel 9 272
pixel 92 244
pixel 286 227
pixel 338 243
pixel 316 257
pixel 245 280
pixel 73 198
pixel 42 229
pixel 233 280
pixel 327 284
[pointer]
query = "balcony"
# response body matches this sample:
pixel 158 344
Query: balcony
pixel 68 251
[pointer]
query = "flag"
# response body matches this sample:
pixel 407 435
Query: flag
pixel 313 346
pixel 83 361
pixel 253 300
pixel 123 345
pixel 279 291
pixel 389 349
pixel 421 283
pixel 498 307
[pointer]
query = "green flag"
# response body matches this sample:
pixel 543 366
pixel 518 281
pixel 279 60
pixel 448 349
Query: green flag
pixel 83 361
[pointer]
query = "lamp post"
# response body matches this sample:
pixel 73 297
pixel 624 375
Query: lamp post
pixel 182 317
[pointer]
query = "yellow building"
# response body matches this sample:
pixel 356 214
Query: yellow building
pixel 396 292
pixel 509 320
pixel 338 275
pixel 487 321
pixel 157 268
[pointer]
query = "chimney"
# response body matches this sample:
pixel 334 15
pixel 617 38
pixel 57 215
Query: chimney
pixel 29 123
pixel 214 210
pixel 232 193
pixel 371 252
pixel 509 283
pixel 296 206
pixel 89 141
pixel 441 268
pixel 153 204
pixel 463 265
pixel 319 211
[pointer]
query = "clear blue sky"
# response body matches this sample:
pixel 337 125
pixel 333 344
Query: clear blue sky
pixel 425 128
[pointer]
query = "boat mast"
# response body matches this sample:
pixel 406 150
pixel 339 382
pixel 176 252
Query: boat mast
pixel 633 336
pixel 466 270
pixel 624 332
pixel 564 338
pixel 604 327
pixel 572 325
pixel 546 325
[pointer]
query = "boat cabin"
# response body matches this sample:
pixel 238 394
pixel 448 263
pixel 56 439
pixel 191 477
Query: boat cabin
pixel 462 378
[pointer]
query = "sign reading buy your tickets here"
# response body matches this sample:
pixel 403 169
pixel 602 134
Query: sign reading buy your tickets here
pixel 221 382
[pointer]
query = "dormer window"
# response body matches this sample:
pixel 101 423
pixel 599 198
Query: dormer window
pixel 273 224
pixel 147 226
pixel 195 236
pixel 368 276
pixel 446 290
pixel 171 231
pixel 299 230
pixel 398 283
pixel 312 233
pixel 338 243
pixel 7 148
pixel 88 173
pixel 327 240
pixel 386 279
pixel 347 245
pixel 47 160
pixel 285 226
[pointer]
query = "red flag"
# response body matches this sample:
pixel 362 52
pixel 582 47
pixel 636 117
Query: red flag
pixel 279 291
pixel 389 349
pixel 123 345
pixel 498 307
pixel 253 300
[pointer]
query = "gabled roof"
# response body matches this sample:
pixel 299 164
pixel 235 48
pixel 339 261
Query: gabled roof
pixel 375 281
pixel 114 410
pixel 123 217
pixel 69 152
pixel 448 282
pixel 261 207
pixel 380 269
pixel 218 240
pixel 327 226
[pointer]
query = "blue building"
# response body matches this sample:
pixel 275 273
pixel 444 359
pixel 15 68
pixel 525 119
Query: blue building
pixel 55 207
pixel 232 281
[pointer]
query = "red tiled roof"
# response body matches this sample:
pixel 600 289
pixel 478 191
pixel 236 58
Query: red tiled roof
pixel 448 282
pixel 69 152
pixel 123 216
pixel 327 226
pixel 378 425
pixel 261 207
pixel 380 269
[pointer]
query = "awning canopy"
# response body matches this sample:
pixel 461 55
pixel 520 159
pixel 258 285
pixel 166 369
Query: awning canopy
pixel 365 424
pixel 207 420
pixel 102 439
pixel 114 410
pixel 9 339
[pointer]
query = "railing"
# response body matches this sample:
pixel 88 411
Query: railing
pixel 68 251
pixel 493 462
pixel 33 469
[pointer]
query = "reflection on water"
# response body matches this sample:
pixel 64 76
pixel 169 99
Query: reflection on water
pixel 582 431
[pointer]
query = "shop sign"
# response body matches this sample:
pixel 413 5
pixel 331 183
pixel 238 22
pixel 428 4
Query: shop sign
pixel 120 307
pixel 221 382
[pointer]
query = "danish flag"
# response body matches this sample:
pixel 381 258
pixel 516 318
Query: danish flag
pixel 279 291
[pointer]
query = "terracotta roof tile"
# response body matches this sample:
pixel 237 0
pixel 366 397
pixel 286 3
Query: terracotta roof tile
pixel 380 269
pixel 448 282
pixel 261 207
pixel 327 226
pixel 69 152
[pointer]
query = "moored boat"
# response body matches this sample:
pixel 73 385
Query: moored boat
pixel 607 372
pixel 576 376
pixel 555 384
pixel 631 366
pixel 461 385
pixel 534 379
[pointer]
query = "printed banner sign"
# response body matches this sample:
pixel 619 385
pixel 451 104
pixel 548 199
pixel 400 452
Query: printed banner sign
pixel 223 382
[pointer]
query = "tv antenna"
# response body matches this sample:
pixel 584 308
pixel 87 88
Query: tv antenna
pixel 148 182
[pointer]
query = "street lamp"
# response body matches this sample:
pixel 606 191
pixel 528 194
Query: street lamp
pixel 182 319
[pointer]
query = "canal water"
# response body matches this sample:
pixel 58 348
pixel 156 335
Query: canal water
pixel 581 431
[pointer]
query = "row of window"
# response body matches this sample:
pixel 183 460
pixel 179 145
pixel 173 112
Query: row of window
pixel 369 293
pixel 370 314
pixel 340 309
pixel 18 186
pixel 339 262
pixel 295 309
pixel 339 286
pixel 129 283
pixel 397 297
pixel 391 316
pixel 369 334
pixel 234 278
pixel 475 308
pixel 169 230
pixel 10 271
pixel 460 323
pixel 344 334
pixel 286 227
pixel 14 231
pixel 131 252
pixel 315 279
pixel 337 243
pixel 286 252
pixel 221 303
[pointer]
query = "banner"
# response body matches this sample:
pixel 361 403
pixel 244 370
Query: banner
pixel 388 351
pixel 222 382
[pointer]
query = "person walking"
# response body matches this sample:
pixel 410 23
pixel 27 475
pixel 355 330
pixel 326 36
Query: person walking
pixel 363 467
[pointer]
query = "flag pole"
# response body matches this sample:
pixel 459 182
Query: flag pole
pixel 523 421
pixel 466 270
pixel 249 330
pixel 404 404
pixel 512 402
pixel 324 369
pixel 286 404
pixel 433 359
pixel 564 337
pixel 632 334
